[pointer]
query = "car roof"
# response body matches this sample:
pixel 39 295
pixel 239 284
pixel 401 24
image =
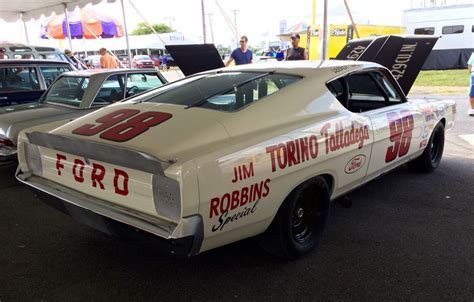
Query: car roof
pixel 32 61
pixel 91 72
pixel 303 68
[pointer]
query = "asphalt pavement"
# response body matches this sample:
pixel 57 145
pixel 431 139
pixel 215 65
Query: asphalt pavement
pixel 407 237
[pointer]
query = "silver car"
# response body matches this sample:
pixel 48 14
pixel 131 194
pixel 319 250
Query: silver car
pixel 72 95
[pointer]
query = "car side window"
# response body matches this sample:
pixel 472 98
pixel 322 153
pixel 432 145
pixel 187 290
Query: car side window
pixel 50 73
pixel 19 79
pixel 111 91
pixel 393 96
pixel 364 91
pixel 140 82
pixel 250 92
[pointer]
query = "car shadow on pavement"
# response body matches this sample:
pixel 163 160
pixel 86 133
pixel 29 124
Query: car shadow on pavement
pixel 7 175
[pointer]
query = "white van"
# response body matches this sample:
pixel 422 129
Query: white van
pixel 22 51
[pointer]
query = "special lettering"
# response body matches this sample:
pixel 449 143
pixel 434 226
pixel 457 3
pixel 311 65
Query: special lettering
pixel 239 198
pixel 242 172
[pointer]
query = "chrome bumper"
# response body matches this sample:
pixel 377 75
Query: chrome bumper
pixel 191 226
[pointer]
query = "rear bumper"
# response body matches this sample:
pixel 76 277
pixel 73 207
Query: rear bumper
pixel 181 239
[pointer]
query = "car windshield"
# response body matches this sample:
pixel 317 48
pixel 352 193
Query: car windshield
pixel 225 91
pixel 67 91
pixel 142 57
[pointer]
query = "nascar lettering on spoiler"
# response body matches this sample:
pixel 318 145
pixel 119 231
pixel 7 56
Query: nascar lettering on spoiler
pixel 97 175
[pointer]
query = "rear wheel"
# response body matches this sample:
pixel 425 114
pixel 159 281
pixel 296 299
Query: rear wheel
pixel 431 156
pixel 300 221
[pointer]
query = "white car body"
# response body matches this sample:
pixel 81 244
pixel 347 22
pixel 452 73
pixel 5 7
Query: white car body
pixel 217 176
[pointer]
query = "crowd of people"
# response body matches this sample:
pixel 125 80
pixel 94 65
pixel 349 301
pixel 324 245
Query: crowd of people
pixel 106 60
pixel 243 55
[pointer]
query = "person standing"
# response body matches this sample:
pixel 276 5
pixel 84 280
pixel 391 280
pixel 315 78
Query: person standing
pixel 73 60
pixel 470 64
pixel 295 52
pixel 241 55
pixel 106 60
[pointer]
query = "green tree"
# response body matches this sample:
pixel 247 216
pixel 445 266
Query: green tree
pixel 223 50
pixel 143 29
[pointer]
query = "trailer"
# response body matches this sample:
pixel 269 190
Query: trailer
pixel 454 25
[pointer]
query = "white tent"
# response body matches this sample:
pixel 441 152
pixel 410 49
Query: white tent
pixel 25 10
pixel 13 10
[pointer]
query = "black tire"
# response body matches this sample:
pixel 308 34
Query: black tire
pixel 431 157
pixel 299 224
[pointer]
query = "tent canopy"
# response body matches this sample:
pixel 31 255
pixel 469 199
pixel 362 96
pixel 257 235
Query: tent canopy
pixel 11 11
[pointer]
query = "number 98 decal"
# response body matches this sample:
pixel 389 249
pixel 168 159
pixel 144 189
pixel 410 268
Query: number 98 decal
pixel 401 129
pixel 123 125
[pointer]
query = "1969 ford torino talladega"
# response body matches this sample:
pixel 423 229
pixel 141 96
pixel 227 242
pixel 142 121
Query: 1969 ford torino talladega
pixel 236 152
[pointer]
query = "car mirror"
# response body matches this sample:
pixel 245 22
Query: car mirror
pixel 144 79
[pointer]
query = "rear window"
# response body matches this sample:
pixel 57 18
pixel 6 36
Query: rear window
pixel 226 91
pixel 67 91
pixel 50 73
pixel 18 79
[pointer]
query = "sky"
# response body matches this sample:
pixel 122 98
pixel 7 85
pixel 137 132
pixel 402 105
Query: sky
pixel 259 20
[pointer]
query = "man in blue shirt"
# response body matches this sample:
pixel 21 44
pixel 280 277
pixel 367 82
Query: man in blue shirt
pixel 241 55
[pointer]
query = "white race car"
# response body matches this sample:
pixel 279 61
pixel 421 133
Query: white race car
pixel 233 153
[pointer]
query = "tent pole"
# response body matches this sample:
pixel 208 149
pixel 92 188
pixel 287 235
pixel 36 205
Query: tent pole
pixel 26 30
pixel 126 35
pixel 352 19
pixel 325 30
pixel 68 29
pixel 203 23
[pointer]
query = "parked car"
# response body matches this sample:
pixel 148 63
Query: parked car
pixel 23 81
pixel 142 61
pixel 92 61
pixel 10 50
pixel 72 95
pixel 156 60
pixel 233 153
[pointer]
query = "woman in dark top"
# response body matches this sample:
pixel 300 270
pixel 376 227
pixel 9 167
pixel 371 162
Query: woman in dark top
pixel 295 52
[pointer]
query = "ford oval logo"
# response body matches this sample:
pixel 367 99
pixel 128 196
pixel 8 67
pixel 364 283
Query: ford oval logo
pixel 355 164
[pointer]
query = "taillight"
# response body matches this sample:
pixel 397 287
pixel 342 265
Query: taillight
pixel 6 142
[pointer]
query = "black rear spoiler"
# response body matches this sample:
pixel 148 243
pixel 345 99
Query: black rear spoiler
pixel 403 55
pixel 194 58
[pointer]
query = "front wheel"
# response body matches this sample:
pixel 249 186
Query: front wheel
pixel 300 221
pixel 431 156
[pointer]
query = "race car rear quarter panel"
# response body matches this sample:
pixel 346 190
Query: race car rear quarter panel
pixel 242 186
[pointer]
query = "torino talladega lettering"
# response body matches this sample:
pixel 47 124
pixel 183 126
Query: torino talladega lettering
pixel 297 151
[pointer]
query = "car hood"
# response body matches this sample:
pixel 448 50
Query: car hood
pixel 15 118
pixel 194 58
pixel 186 133
pixel 403 55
